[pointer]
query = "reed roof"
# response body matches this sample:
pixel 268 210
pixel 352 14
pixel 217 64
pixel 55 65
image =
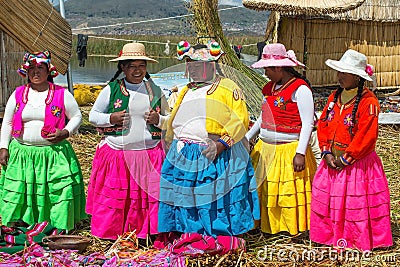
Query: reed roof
pixel 37 26
pixel 303 7
pixel 372 10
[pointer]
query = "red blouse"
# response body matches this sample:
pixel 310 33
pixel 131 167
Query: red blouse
pixel 279 112
pixel 334 131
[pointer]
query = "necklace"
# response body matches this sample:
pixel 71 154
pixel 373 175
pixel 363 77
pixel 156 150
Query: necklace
pixel 285 85
pixel 194 85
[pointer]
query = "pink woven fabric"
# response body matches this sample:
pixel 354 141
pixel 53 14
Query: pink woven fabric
pixel 195 244
pixel 123 191
pixel 351 207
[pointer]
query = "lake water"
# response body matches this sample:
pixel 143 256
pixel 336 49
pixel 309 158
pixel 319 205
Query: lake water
pixel 98 70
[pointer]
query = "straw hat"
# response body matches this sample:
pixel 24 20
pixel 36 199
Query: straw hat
pixel 133 51
pixel 275 55
pixel 352 62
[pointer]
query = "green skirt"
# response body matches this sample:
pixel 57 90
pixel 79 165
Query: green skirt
pixel 42 183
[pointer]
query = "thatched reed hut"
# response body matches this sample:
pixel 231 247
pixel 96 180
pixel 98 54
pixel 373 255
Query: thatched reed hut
pixel 32 25
pixel 373 28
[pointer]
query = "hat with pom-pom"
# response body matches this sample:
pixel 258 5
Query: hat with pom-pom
pixel 210 52
pixel 35 59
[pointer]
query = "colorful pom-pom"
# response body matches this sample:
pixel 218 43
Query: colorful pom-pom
pixel 215 48
pixel 183 47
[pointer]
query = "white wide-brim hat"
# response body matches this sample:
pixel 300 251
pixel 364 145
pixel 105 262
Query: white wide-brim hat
pixel 133 51
pixel 352 62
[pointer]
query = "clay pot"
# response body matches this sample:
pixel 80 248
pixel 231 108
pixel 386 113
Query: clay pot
pixel 72 242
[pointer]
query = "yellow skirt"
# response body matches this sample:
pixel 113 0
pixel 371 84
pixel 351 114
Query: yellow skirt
pixel 285 195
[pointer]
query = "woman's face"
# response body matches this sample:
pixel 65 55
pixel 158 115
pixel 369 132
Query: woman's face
pixel 135 70
pixel 201 71
pixel 273 73
pixel 38 74
pixel 347 80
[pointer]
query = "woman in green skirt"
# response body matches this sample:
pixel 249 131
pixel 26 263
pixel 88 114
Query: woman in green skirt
pixel 41 179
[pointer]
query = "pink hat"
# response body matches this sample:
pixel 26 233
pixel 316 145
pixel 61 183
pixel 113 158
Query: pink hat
pixel 275 55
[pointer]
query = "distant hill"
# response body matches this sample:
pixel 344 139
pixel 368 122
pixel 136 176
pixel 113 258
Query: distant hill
pixel 90 13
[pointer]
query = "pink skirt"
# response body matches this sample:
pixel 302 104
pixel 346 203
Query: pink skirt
pixel 123 191
pixel 351 208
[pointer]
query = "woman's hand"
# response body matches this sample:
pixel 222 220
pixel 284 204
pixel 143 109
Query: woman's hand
pixel 299 162
pixel 120 118
pixel 4 156
pixel 339 165
pixel 214 149
pixel 330 161
pixel 58 136
pixel 152 117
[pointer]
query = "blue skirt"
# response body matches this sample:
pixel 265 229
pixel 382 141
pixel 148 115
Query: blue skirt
pixel 207 197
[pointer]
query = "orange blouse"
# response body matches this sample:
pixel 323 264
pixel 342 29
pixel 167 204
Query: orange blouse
pixel 333 133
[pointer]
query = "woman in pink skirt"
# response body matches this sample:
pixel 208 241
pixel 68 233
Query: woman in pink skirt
pixel 350 205
pixel 123 190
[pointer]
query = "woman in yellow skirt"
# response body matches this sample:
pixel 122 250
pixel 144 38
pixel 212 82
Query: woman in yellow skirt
pixel 282 158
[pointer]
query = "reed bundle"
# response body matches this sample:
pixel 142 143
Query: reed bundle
pixel 207 24
pixel 37 26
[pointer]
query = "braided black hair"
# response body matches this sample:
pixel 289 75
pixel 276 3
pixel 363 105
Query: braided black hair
pixel 335 98
pixel 296 74
pixel 117 73
pixel 355 108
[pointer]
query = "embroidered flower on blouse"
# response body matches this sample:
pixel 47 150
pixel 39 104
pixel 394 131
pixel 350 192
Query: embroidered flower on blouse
pixel 264 99
pixel 56 111
pixel 118 103
pixel 17 107
pixel 278 102
pixel 348 120
pixel 331 115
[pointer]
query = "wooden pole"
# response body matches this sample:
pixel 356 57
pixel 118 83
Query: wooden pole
pixel 3 75
pixel 69 71
pixel 305 47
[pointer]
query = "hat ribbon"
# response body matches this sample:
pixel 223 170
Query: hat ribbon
pixel 289 55
pixel 269 56
pixel 133 54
